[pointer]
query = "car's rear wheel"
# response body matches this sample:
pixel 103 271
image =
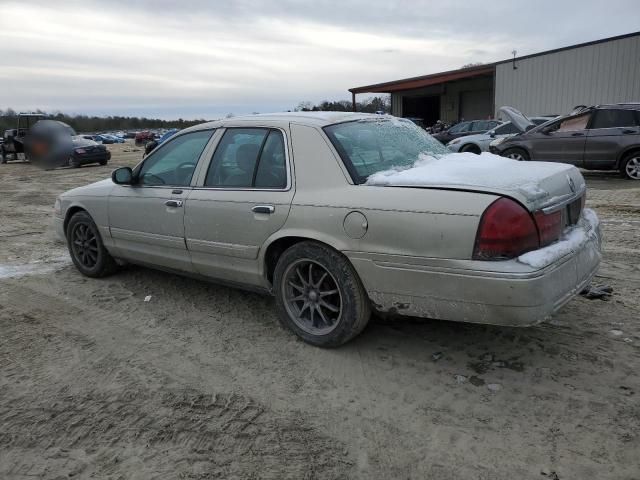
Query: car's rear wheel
pixel 102 162
pixel 86 248
pixel 471 148
pixel 516 154
pixel 630 166
pixel 319 295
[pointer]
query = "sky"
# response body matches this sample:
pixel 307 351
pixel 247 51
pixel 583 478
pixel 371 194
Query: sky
pixel 204 59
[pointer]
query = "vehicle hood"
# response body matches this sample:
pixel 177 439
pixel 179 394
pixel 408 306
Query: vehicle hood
pixel 79 141
pixel 97 189
pixel 518 119
pixel 534 184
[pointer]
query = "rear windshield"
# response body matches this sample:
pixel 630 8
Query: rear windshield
pixel 371 146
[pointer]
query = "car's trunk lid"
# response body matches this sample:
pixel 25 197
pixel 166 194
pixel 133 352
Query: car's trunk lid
pixel 536 185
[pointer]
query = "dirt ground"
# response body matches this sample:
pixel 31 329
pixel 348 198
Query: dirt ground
pixel 201 382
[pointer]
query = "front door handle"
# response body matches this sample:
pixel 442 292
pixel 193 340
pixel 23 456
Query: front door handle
pixel 263 209
pixel 577 134
pixel 628 131
pixel 173 203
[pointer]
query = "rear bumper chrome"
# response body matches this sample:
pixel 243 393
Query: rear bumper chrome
pixel 498 293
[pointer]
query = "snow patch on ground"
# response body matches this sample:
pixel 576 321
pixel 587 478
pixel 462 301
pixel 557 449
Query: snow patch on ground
pixel 573 239
pixel 32 268
pixel 469 169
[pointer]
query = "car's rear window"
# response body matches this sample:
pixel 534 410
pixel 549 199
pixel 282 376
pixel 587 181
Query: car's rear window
pixel 370 146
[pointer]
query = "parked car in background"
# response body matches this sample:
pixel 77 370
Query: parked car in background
pixel 478 143
pixel 148 148
pixel 141 138
pixel 87 151
pixel 113 138
pixel 602 137
pixel 465 128
pixel 339 213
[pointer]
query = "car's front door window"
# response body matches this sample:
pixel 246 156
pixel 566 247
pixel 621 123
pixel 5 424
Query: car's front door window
pixel 174 162
pixel 574 123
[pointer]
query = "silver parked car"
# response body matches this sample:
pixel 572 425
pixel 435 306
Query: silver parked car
pixel 480 142
pixel 336 214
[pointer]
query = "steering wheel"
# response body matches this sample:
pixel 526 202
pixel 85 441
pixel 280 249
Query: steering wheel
pixel 190 165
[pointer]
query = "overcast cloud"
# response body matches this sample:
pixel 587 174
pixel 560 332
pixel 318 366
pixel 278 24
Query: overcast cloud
pixel 195 59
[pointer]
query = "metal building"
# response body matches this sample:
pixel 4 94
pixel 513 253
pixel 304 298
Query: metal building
pixel 551 82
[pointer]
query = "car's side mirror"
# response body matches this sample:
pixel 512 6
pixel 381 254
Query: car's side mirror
pixel 492 134
pixel 122 176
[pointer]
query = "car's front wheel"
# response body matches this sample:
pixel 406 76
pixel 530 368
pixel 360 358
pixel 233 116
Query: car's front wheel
pixel 516 154
pixel 86 248
pixel 630 166
pixel 319 295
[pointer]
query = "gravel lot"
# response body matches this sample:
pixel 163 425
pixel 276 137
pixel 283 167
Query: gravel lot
pixel 201 382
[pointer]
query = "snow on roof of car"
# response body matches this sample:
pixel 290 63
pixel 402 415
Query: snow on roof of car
pixel 306 118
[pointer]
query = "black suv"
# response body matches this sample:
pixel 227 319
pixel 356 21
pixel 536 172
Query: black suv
pixel 604 137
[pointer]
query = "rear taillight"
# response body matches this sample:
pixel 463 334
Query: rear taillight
pixel 506 230
pixel 550 226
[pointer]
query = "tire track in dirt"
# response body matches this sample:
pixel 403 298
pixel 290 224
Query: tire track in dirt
pixel 93 422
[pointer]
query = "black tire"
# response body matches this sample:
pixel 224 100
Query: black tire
pixel 4 155
pixel 74 163
pixel 471 148
pixel 103 162
pixel 516 154
pixel 630 166
pixel 354 306
pixel 90 258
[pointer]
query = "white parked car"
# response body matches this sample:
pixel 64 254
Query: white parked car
pixel 336 214
pixel 480 142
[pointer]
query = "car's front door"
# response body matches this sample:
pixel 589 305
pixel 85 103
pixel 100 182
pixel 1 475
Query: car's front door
pixel 611 132
pixel 241 199
pixel 563 141
pixel 146 220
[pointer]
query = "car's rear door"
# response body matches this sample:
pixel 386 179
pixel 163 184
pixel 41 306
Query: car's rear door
pixel 563 141
pixel 241 198
pixel 612 130
pixel 146 220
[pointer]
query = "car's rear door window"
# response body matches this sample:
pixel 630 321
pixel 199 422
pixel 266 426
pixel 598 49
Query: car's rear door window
pixel 175 161
pixel 612 118
pixel 249 158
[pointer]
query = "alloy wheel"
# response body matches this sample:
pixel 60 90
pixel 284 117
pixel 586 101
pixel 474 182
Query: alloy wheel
pixel 312 297
pixel 85 245
pixel 516 156
pixel 632 168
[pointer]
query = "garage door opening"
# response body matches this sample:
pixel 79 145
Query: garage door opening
pixel 426 108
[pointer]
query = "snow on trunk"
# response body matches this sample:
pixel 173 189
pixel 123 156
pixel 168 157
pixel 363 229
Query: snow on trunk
pixel 534 183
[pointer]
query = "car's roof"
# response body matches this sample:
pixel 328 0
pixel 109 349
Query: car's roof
pixel 317 119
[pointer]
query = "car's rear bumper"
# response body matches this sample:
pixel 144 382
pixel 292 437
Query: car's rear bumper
pixel 92 157
pixel 499 293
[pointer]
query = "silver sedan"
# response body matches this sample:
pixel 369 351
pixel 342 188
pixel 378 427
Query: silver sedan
pixel 336 214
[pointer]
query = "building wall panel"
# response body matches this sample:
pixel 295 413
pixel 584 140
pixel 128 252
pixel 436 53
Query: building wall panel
pixel 556 82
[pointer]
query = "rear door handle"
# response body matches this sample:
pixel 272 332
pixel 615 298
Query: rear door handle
pixel 263 209
pixel 577 134
pixel 173 203
pixel 628 131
